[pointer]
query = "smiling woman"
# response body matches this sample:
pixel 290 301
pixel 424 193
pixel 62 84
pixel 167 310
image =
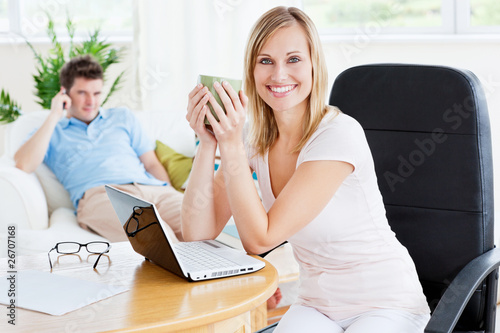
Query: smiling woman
pixel 318 184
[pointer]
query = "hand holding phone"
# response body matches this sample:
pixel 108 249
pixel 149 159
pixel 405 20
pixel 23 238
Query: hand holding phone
pixel 60 102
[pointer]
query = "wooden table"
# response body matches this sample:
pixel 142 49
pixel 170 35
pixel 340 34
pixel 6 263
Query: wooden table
pixel 158 301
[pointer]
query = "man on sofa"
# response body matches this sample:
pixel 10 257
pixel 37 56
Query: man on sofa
pixel 91 147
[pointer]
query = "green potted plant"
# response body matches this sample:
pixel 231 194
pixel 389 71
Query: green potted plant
pixel 47 83
pixel 9 110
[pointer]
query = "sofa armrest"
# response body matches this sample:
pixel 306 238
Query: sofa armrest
pixel 22 200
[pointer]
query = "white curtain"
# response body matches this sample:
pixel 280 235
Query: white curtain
pixel 175 41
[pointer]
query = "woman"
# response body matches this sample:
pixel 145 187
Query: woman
pixel 318 184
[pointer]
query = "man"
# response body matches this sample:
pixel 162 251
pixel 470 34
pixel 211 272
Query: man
pixel 91 147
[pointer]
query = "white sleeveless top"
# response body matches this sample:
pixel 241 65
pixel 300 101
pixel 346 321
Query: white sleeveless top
pixel 350 260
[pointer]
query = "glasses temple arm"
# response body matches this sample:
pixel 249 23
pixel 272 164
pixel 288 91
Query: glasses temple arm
pixel 100 255
pixel 48 254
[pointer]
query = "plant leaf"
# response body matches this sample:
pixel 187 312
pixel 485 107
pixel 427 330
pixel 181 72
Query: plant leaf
pixel 47 82
pixel 9 110
pixel 114 87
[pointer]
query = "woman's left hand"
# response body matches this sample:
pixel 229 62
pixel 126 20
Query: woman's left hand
pixel 229 128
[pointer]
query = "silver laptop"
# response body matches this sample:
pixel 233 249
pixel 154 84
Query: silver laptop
pixel 194 261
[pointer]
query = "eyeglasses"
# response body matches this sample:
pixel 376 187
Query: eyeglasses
pixel 133 222
pixel 97 247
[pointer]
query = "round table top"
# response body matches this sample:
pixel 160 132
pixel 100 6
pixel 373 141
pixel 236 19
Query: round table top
pixel 156 298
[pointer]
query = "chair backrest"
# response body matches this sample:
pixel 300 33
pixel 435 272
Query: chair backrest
pixel 429 133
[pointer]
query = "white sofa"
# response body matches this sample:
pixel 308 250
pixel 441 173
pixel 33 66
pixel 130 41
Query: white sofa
pixel 39 206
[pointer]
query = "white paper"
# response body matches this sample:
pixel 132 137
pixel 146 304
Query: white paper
pixel 54 294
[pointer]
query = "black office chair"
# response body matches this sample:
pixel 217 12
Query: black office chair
pixel 429 133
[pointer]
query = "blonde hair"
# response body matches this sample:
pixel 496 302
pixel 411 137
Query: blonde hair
pixel 264 130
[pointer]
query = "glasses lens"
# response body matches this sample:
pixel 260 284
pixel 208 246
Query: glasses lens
pixel 97 247
pixel 133 224
pixel 68 248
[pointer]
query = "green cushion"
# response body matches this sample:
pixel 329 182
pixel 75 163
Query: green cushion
pixel 177 165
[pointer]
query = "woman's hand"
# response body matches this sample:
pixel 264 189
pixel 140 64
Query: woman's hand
pixel 229 128
pixel 197 111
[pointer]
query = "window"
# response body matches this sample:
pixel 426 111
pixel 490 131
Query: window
pixel 484 13
pixel 477 16
pixel 4 16
pixel 29 17
pixel 404 16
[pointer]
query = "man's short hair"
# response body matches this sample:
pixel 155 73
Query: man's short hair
pixel 81 66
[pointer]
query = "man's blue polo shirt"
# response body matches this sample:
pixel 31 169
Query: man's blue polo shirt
pixel 104 152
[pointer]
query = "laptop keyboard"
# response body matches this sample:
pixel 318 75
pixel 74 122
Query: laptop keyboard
pixel 198 258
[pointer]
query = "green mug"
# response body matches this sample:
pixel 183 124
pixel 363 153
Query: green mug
pixel 208 81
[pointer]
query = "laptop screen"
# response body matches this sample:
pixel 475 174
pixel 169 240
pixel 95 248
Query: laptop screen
pixel 144 230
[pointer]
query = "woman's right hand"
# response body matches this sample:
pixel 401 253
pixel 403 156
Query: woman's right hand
pixel 196 111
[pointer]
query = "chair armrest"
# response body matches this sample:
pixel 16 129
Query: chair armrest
pixel 268 329
pixel 22 200
pixel 459 292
